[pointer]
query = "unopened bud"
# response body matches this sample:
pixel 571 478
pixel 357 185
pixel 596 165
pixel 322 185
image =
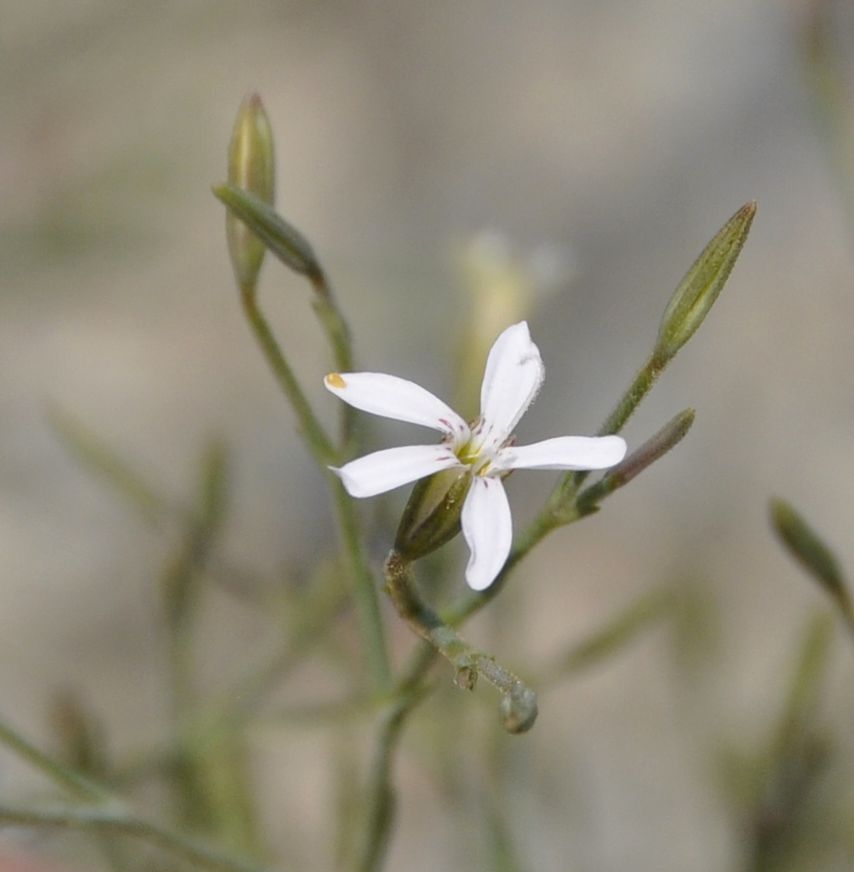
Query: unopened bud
pixel 698 290
pixel 432 514
pixel 251 167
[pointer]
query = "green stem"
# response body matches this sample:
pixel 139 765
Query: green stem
pixel 470 602
pixel 120 821
pixel 519 702
pixel 614 423
pixel 381 801
pixel 365 594
pixel 367 602
pixel 411 690
pixel 338 333
pixel 318 442
pixel 631 399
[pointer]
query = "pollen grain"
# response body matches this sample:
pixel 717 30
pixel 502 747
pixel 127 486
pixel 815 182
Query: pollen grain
pixel 335 380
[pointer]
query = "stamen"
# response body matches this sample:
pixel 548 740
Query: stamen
pixel 335 380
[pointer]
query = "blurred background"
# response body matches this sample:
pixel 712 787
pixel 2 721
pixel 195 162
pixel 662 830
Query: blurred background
pixel 619 135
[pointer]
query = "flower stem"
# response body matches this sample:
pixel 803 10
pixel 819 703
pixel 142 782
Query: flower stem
pixel 519 702
pixel 631 399
pixel 381 801
pixel 338 333
pixel 324 453
pixel 318 442
pixel 614 423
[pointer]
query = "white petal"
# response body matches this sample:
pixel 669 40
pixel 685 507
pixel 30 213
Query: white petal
pixel 393 397
pixel 564 452
pixel 385 470
pixel 514 373
pixel 488 530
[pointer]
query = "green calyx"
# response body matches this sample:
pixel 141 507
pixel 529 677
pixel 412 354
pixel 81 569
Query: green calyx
pixel 432 514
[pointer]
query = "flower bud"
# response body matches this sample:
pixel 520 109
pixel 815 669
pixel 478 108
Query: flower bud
pixel 251 167
pixel 432 515
pixel 698 290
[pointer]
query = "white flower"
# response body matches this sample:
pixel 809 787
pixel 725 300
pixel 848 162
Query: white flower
pixel 514 373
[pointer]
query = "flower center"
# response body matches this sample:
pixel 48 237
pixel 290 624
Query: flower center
pixel 477 452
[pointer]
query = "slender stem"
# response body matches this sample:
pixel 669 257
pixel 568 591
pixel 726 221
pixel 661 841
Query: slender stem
pixel 411 690
pixel 365 594
pixel 381 800
pixel 120 821
pixel 614 423
pixel 338 333
pixel 631 399
pixel 519 702
pixel 367 602
pixel 318 442
pixel 470 602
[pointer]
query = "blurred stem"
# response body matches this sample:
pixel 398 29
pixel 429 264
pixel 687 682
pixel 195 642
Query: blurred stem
pixel 123 822
pixel 110 816
pixel 612 636
pixel 795 756
pixel 833 107
pixel 318 442
pixel 338 333
pixel 97 456
pixel 63 776
pixel 365 594
pixel 380 801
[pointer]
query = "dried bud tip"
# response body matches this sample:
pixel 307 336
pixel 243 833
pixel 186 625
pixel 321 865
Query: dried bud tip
pixel 519 710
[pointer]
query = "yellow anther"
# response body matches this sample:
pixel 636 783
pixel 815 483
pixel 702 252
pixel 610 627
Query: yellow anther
pixel 335 380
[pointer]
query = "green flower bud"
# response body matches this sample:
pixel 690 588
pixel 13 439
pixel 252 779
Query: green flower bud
pixel 698 290
pixel 251 167
pixel 432 515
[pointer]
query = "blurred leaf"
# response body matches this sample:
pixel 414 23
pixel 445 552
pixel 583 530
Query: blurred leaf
pixel 615 634
pixel 99 458
pixel 804 544
pixel 805 685
pixel 203 527
pixel 788 767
